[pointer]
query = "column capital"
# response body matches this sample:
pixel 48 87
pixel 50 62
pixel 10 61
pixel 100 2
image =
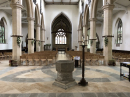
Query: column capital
pixel 37 40
pixel 30 19
pixel 43 29
pixel 92 39
pixel 38 25
pixel 85 25
pixel 108 6
pixel 30 38
pixel 16 5
pixel 80 41
pixel 92 19
pixel 80 29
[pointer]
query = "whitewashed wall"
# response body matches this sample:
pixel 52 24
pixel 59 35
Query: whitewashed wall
pixel 8 31
pixel 71 11
pixel 125 17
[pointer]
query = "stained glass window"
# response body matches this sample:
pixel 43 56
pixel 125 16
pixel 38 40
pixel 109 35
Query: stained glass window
pixel 119 32
pixel 60 37
pixel 2 32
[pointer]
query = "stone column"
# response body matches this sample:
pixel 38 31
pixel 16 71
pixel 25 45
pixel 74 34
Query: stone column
pixel 16 28
pixel 80 39
pixel 85 32
pixel 30 35
pixel 108 16
pixel 42 39
pixel 38 37
pixel 93 35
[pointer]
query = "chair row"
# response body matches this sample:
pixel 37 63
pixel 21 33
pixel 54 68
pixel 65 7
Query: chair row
pixel 38 57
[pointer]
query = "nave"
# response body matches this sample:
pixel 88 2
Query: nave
pixel 36 81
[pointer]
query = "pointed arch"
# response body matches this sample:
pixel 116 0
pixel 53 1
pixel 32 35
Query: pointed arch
pixel 94 5
pixel 60 15
pixel 30 12
pixel 42 21
pixel 86 15
pixel 37 14
pixel 67 21
pixel 3 18
pixel 80 22
pixel 117 21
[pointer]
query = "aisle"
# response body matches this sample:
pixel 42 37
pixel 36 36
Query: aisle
pixel 62 56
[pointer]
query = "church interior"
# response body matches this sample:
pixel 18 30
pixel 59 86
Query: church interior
pixel 64 48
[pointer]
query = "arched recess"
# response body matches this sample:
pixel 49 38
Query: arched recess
pixel 30 11
pixel 42 21
pixel 80 27
pixel 86 15
pixel 93 11
pixel 37 15
pixel 26 39
pixel 97 41
pixel 61 26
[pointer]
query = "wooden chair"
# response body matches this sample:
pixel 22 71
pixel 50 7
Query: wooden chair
pixel 101 60
pixel 36 59
pixel 94 60
pixel 49 58
pixel 43 59
pixel 88 59
pixel 22 59
pixel 123 58
pixel 30 59
pixel 2 56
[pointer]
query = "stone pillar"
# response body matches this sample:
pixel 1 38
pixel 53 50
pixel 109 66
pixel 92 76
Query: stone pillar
pixel 108 16
pixel 42 39
pixel 30 35
pixel 16 28
pixel 80 38
pixel 38 38
pixel 93 35
pixel 85 32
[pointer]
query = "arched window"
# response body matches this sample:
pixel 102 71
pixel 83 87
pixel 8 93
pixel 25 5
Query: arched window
pixel 60 37
pixel 2 31
pixel 119 32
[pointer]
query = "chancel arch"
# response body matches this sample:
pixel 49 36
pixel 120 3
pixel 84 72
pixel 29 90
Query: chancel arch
pixel 61 32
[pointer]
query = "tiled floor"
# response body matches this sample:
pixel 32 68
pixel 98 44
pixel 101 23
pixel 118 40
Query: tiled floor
pixel 36 81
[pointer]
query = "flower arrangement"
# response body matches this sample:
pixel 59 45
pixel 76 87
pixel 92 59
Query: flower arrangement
pixel 106 41
pixel 39 43
pixel 18 41
pixel 91 42
pixel 32 42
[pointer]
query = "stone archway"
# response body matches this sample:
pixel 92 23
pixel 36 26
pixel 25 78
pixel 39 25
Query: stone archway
pixel 61 25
